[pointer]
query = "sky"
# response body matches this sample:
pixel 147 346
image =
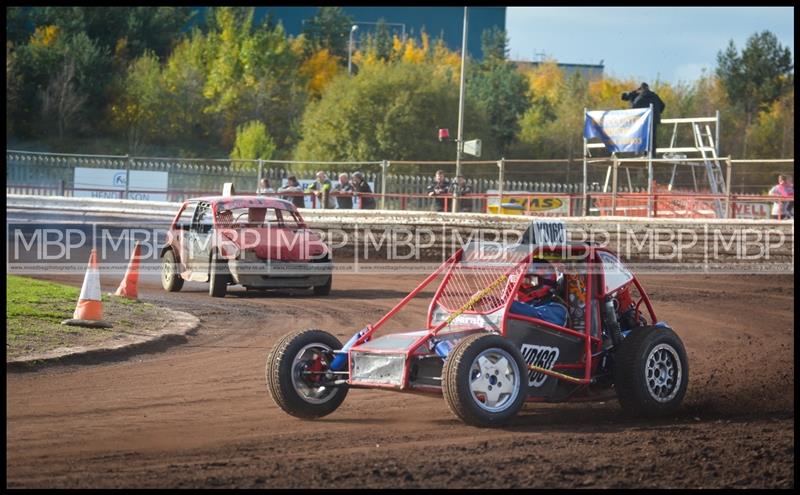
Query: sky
pixel 648 44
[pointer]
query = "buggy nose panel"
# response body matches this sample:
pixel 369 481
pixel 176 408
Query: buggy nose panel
pixel 377 369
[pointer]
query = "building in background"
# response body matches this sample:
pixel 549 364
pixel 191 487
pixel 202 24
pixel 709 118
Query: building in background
pixel 445 22
pixel 589 72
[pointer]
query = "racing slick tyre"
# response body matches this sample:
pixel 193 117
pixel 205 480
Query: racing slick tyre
pixel 218 276
pixel 485 380
pixel 324 289
pixel 295 373
pixel 171 279
pixel 651 371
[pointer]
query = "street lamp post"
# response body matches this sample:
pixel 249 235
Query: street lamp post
pixel 350 50
pixel 460 140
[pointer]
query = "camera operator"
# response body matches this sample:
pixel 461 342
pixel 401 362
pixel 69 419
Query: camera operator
pixel 642 97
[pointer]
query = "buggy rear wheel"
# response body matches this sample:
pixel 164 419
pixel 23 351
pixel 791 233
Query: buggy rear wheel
pixel 484 380
pixel 651 372
pixel 297 377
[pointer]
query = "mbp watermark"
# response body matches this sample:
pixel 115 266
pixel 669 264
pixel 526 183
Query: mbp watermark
pixel 390 249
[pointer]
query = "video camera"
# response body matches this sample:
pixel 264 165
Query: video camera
pixel 630 95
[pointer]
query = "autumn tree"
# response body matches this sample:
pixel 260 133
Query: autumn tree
pixel 387 111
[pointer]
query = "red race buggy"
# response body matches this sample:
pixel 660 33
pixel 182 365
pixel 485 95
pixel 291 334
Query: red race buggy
pixel 486 360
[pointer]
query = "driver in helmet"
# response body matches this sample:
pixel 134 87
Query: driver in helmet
pixel 538 294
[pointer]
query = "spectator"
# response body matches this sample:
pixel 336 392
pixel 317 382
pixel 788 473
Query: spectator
pixel 292 186
pixel 264 187
pixel 784 188
pixel 461 188
pixel 322 190
pixel 642 97
pixel 344 192
pixel 360 186
pixel 439 187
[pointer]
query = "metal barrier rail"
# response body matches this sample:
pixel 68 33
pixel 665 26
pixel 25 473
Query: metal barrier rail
pixel 601 204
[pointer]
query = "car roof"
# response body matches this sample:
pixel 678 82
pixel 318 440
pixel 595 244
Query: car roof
pixel 247 201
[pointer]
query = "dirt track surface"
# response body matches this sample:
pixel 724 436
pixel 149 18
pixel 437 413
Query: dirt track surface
pixel 198 414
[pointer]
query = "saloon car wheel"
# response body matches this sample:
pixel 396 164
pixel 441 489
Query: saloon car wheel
pixel 218 276
pixel 484 380
pixel 651 372
pixel 171 280
pixel 297 377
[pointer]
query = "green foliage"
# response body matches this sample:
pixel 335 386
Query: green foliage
pixel 494 45
pixel 501 88
pixel 379 43
pixel 141 101
pixel 757 77
pixel 252 143
pixel 760 75
pixel 109 72
pixel 329 28
pixel 388 111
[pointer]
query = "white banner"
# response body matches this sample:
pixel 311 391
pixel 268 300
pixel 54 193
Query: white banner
pixel 110 183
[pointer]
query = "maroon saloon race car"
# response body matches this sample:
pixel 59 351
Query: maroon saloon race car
pixel 253 241
pixel 486 356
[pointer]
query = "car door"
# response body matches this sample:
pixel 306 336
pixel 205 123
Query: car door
pixel 180 232
pixel 199 241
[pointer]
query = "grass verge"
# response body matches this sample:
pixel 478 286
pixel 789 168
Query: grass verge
pixel 35 309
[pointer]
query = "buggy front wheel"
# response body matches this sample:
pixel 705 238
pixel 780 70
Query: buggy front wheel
pixel 485 380
pixel 298 374
pixel 651 372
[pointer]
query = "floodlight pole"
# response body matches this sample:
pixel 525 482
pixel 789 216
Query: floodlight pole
pixel 459 140
pixel 350 50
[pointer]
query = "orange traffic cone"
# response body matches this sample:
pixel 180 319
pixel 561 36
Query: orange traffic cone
pixel 89 311
pixel 127 288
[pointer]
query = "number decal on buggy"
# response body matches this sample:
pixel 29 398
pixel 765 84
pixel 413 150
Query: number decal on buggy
pixel 542 357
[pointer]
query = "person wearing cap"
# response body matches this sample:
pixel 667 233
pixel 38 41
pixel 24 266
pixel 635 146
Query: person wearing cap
pixel 360 186
pixel 643 97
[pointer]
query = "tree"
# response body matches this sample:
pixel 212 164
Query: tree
pixel 252 143
pixel 501 88
pixel 494 45
pixel 184 77
pixel 756 78
pixel 140 102
pixel 387 111
pixel 61 100
pixel 13 87
pixel 329 28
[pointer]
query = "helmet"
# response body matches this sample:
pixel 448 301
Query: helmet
pixel 543 279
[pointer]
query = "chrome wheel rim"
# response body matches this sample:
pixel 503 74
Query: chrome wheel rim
pixel 663 373
pixel 310 393
pixel 494 379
